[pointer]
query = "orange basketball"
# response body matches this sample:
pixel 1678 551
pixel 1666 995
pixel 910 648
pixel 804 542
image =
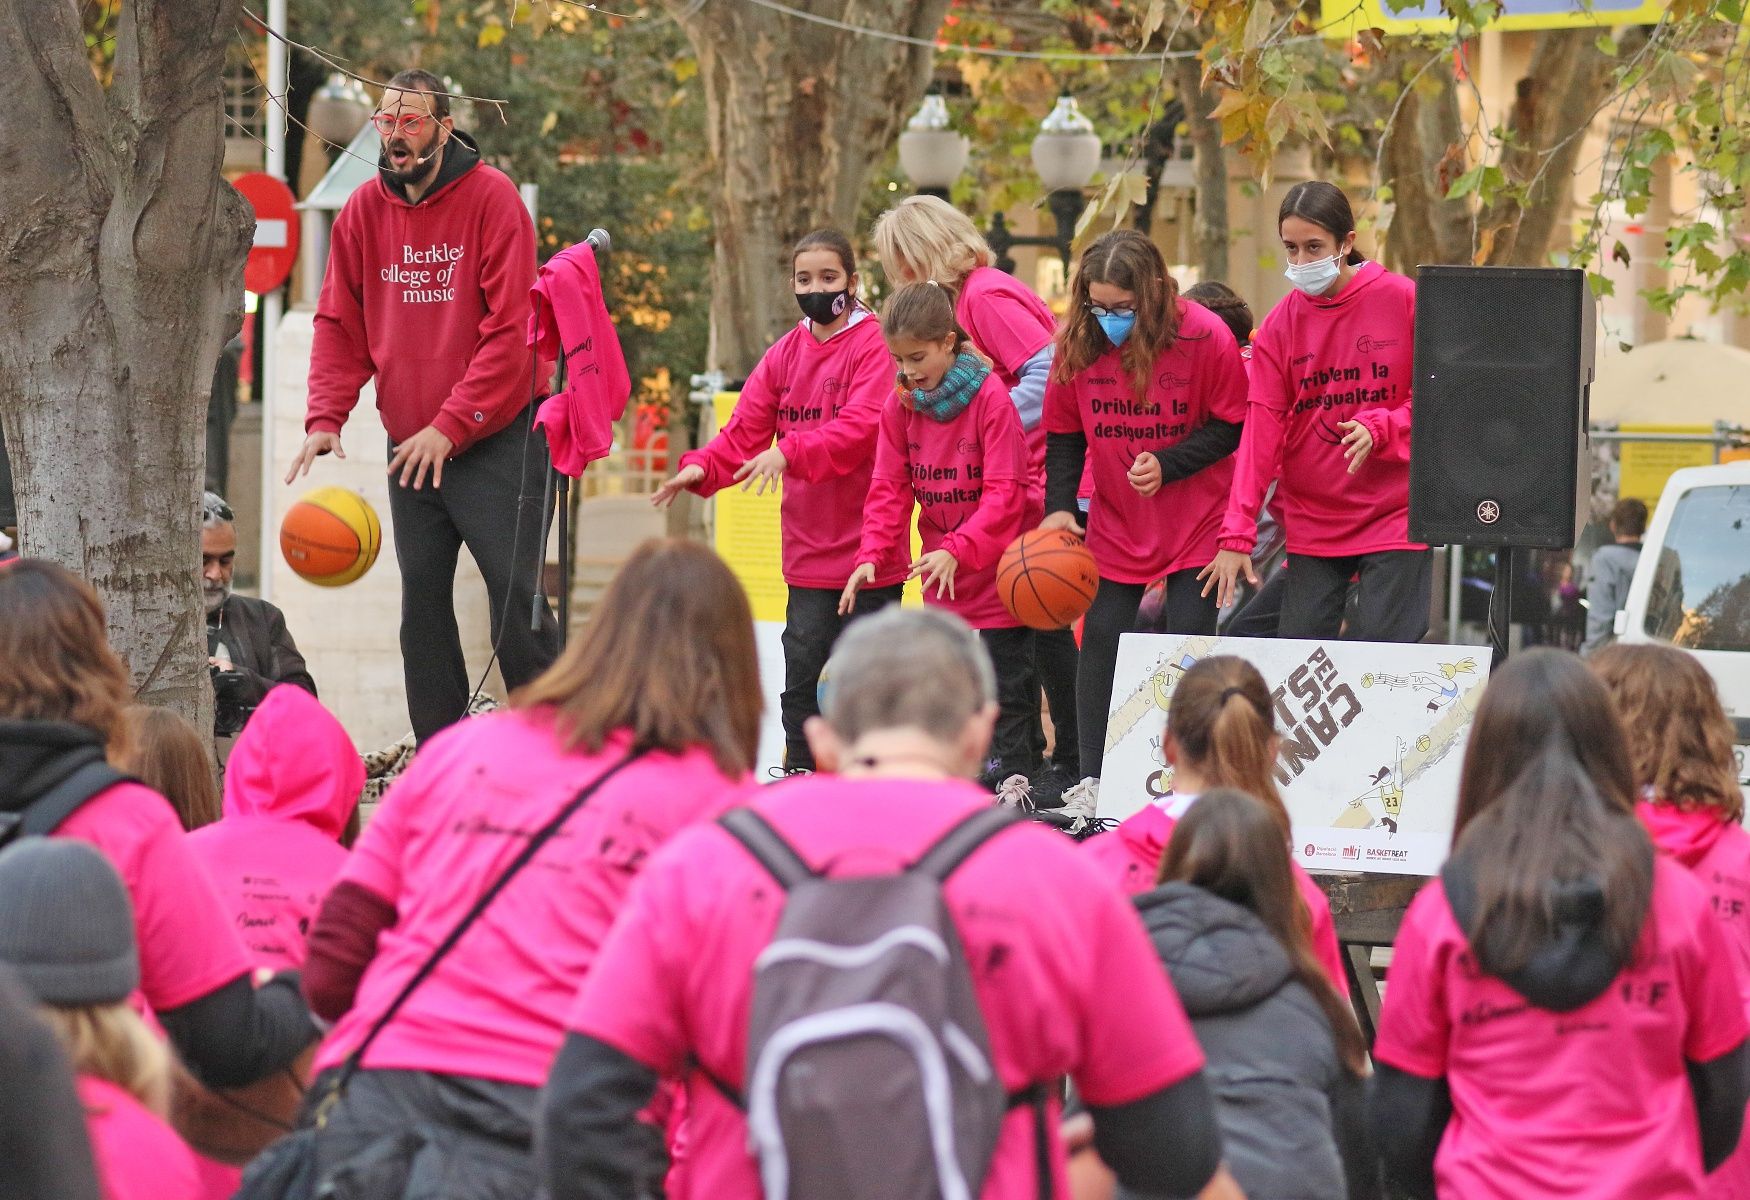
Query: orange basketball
pixel 331 536
pixel 1046 578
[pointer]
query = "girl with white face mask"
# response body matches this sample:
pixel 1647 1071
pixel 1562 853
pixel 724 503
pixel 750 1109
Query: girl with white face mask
pixel 1329 410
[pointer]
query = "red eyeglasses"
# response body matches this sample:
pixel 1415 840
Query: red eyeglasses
pixel 406 124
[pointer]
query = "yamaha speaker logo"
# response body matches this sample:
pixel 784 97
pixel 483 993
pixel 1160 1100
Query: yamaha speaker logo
pixel 1488 512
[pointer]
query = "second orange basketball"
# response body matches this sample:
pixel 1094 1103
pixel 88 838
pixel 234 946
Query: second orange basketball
pixel 1046 578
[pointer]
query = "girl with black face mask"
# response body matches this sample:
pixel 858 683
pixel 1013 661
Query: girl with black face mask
pixel 808 414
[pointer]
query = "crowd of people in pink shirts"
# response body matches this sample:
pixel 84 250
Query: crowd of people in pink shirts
pixel 580 952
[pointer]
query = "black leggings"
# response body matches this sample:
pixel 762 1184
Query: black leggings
pixel 1391 602
pixel 1112 615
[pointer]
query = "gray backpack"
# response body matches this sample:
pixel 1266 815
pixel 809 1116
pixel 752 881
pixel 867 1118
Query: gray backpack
pixel 869 1069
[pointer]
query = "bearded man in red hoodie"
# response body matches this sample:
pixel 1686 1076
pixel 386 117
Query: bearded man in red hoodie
pixel 427 292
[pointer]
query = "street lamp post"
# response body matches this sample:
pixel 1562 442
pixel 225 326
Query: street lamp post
pixel 1066 153
pixel 931 154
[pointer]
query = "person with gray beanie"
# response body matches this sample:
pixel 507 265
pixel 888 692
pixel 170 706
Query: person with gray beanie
pixel 67 930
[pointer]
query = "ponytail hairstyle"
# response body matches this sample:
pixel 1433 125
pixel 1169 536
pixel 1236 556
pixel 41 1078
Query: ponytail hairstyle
pixel 1325 205
pixel 1678 735
pixel 828 239
pixel 1546 798
pixel 924 312
pixel 1229 844
pixel 1227 304
pixel 1125 259
pixel 1223 719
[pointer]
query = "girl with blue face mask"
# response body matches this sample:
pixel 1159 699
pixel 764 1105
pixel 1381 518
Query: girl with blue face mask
pixel 1149 389
pixel 1328 420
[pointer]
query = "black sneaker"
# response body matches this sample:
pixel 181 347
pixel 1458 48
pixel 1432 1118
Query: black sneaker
pixel 1050 782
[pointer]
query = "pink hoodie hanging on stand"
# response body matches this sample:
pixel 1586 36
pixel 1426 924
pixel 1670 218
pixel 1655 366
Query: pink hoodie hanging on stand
pixel 571 319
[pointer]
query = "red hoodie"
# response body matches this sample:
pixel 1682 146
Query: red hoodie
pixel 432 299
pixel 1717 853
pixel 1315 364
pixel 290 787
pixel 1130 856
pixel 822 400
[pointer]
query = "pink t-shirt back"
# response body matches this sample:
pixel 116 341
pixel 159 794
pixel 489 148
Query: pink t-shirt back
pixel 970 481
pixel 138 1156
pixel 446 830
pixel 1592 1103
pixel 188 947
pixel 1717 853
pixel 1130 856
pixel 1064 972
pixel 821 400
pixel 1315 364
pixel 1138 539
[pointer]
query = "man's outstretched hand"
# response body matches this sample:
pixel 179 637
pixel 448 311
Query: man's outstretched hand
pixel 316 444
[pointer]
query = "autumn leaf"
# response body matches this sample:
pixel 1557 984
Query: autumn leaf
pixel 548 121
pixel 490 35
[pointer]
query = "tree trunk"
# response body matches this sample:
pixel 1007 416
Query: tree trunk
pixel 121 249
pixel 796 113
pixel 1422 155
pixel 1555 105
pixel 1210 229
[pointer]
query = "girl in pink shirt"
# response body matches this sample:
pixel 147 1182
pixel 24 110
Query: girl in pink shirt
pixel 1563 1017
pixel 818 391
pixel 923 238
pixel 1329 416
pixel 667 668
pixel 1148 390
pixel 952 445
pixel 1680 743
pixel 1221 733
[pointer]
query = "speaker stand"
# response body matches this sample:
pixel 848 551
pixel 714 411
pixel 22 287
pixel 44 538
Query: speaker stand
pixel 1501 604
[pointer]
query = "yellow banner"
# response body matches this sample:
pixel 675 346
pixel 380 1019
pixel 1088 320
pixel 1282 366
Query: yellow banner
pixel 1647 465
pixel 1345 18
pixel 747 534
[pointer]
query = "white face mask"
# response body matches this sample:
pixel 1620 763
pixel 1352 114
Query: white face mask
pixel 1315 278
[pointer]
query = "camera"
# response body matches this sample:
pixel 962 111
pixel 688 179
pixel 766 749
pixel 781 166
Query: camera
pixel 231 711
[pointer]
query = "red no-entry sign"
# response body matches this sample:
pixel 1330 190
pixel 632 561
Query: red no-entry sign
pixel 276 231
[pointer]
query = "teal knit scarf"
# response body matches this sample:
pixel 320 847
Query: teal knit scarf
pixel 949 398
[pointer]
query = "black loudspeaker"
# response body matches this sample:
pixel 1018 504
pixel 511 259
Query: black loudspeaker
pixel 1503 374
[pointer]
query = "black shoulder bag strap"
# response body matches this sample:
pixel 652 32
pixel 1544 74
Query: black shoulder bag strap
pixel 528 852
pixel 90 775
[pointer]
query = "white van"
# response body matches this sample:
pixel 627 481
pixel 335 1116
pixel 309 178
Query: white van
pixel 1691 587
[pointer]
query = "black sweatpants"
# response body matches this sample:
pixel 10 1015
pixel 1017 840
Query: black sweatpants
pixel 1259 616
pixel 490 502
pixel 1392 597
pixel 811 625
pixel 1055 662
pixel 1013 748
pixel 1112 615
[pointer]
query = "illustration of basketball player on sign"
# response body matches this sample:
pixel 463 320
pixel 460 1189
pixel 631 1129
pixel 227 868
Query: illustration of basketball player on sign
pixel 1442 684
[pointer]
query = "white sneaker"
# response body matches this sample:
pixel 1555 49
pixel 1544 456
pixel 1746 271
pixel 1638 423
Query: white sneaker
pixel 1015 792
pixel 1081 802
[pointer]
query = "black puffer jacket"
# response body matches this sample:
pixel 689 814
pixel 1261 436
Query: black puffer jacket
pixel 1292 1122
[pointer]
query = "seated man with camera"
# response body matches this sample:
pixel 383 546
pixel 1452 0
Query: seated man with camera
pixel 248 645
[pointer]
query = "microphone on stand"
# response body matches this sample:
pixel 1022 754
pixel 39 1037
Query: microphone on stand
pixel 599 241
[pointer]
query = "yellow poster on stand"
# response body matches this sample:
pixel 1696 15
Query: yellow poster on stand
pixel 747 533
pixel 1647 465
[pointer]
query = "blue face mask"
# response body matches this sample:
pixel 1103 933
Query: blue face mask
pixel 1116 325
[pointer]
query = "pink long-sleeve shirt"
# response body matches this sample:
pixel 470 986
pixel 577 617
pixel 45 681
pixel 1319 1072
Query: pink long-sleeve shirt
pixel 822 402
pixel 971 482
pixel 1315 364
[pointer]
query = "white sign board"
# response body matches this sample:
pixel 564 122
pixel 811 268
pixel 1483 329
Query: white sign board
pixel 768 638
pixel 1373 736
